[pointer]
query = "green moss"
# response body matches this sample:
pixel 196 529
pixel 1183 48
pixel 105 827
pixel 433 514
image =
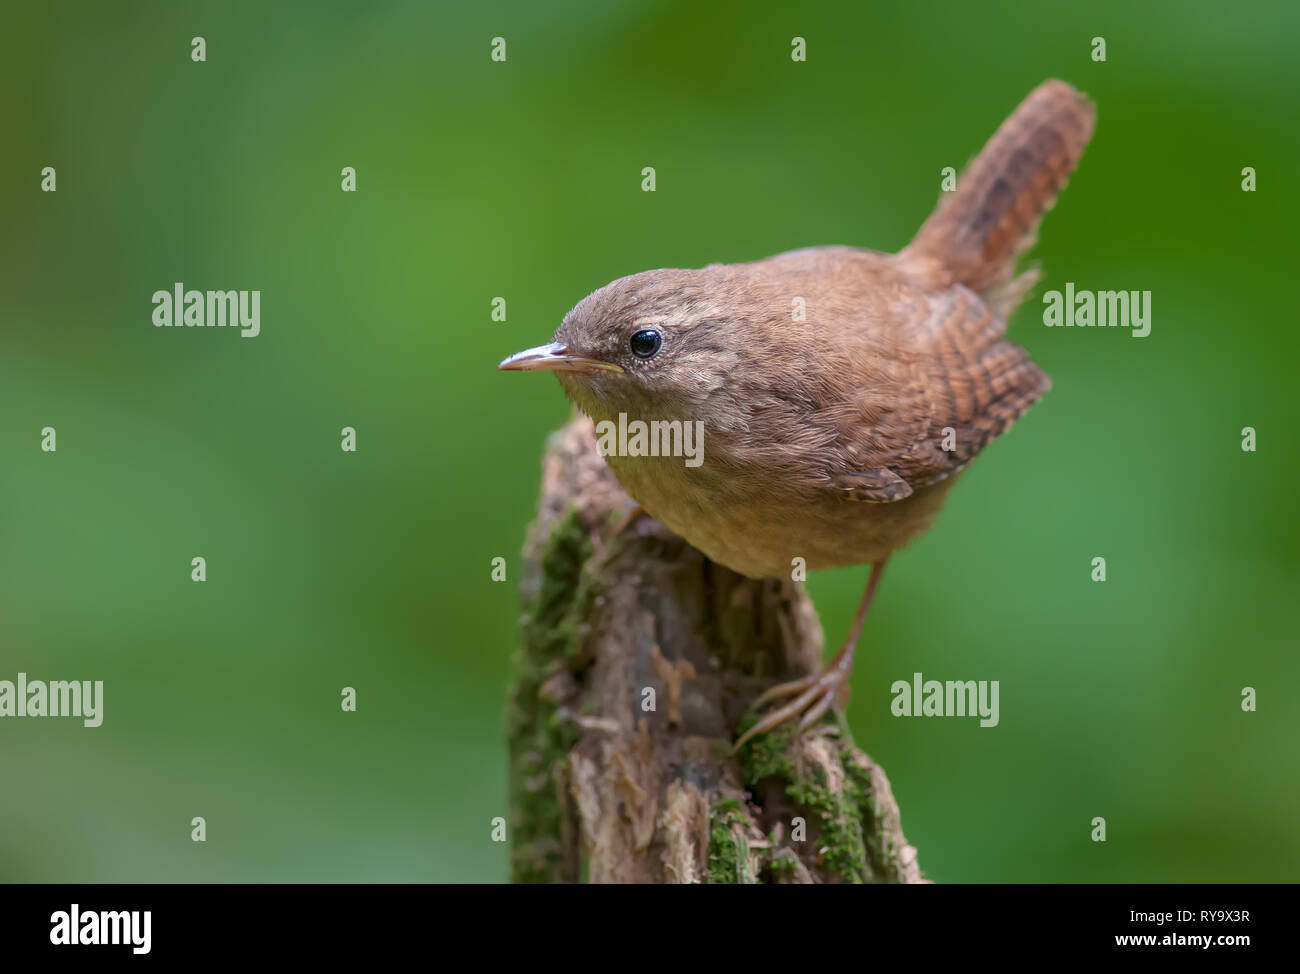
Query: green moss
pixel 837 821
pixel 839 824
pixel 765 756
pixel 882 850
pixel 540 734
pixel 729 844
pixel 555 623
pixel 781 865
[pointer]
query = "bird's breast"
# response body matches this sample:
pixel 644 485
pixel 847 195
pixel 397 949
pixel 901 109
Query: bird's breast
pixel 763 530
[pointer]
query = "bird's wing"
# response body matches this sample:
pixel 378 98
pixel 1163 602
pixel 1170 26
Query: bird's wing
pixel 948 386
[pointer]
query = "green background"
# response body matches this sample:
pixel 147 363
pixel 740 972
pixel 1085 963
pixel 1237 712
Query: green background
pixel 522 179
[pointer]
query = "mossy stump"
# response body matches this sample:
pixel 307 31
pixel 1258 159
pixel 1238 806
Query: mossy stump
pixel 639 660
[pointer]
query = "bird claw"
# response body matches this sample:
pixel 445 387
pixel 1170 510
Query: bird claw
pixel 779 690
pixel 815 712
pixel 816 695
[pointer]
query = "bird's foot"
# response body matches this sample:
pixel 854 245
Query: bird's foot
pixel 813 696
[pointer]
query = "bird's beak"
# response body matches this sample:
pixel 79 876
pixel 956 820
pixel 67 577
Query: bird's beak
pixel 554 357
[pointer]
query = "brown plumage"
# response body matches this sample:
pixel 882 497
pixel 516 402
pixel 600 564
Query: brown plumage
pixel 977 233
pixel 834 438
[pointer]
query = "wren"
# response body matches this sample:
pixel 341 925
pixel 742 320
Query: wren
pixel 841 391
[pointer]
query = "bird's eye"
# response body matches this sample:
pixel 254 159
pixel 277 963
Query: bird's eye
pixel 646 342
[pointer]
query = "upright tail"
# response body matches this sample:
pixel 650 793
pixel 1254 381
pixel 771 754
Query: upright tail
pixel 979 231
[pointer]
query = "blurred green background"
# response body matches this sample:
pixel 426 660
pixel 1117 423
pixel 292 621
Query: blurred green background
pixel 522 179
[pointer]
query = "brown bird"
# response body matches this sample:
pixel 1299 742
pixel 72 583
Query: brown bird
pixel 840 391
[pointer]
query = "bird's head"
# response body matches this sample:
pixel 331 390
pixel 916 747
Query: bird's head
pixel 653 345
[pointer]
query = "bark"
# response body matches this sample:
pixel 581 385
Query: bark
pixel 639 660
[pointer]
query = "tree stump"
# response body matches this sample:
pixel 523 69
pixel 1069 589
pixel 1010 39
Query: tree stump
pixel 640 658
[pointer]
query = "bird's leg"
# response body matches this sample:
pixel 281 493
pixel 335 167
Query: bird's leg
pixel 817 691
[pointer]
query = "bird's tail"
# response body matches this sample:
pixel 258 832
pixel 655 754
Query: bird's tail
pixel 979 231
